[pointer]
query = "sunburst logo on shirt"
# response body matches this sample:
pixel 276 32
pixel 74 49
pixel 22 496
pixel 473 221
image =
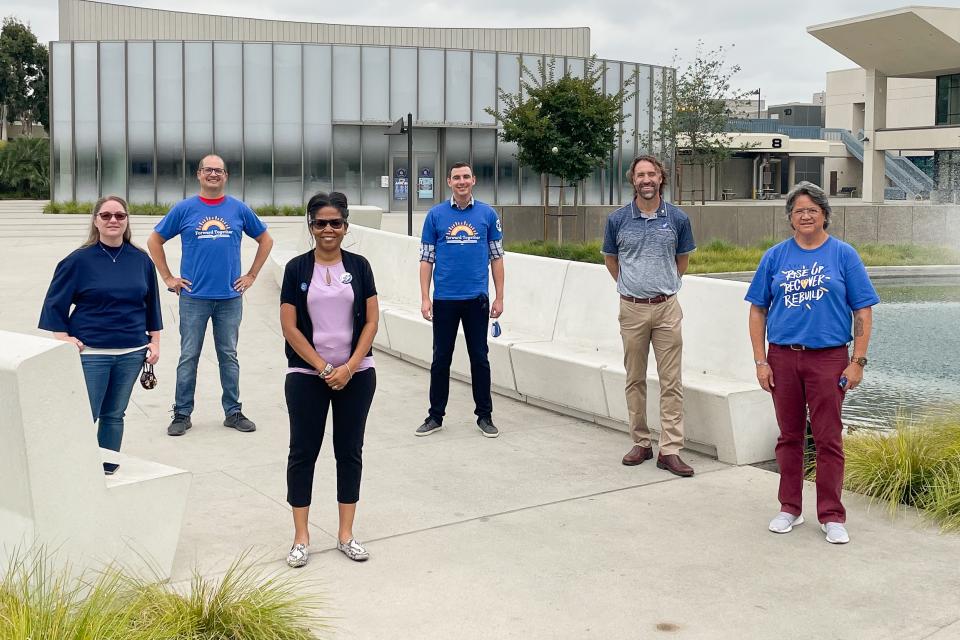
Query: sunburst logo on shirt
pixel 213 227
pixel 462 232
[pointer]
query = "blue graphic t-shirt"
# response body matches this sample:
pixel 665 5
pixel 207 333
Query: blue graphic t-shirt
pixel 461 238
pixel 210 235
pixel 811 294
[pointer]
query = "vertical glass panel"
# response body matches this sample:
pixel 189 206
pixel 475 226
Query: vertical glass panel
pixel 317 130
pixel 403 83
pixel 531 189
pixel 484 86
pixel 287 125
pixel 113 155
pixel 85 116
pixel 257 124
pixel 643 107
pixel 431 85
pixel 628 141
pixel 532 64
pixel 140 120
pixel 458 86
pixel 456 149
pixel 592 188
pixel 376 83
pixel 375 164
pixel 346 161
pixel 198 105
pixel 61 107
pixel 169 112
pixel 228 108
pixel 507 173
pixel 346 83
pixel 612 74
pixel 508 75
pixel 576 67
pixel 484 166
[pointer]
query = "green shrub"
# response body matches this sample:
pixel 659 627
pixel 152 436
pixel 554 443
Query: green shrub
pixel 25 168
pixel 917 465
pixel 39 600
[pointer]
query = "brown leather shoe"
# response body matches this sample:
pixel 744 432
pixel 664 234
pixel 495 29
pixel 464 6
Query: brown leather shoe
pixel 637 455
pixel 674 465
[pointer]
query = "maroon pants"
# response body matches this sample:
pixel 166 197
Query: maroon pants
pixel 809 379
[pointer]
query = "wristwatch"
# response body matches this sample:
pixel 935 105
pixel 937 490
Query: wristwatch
pixel 327 370
pixel 862 361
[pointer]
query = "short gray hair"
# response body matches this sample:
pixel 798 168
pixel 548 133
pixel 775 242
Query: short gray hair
pixel 813 192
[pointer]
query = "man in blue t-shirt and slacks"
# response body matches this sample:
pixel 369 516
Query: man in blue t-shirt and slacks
pixel 646 248
pixel 461 245
pixel 210 285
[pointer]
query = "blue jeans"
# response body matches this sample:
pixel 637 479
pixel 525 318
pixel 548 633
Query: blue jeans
pixel 110 381
pixel 226 316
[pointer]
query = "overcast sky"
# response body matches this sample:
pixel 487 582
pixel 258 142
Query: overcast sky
pixel 770 41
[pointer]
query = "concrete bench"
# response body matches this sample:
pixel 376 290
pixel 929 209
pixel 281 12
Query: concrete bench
pixel 561 346
pixel 54 490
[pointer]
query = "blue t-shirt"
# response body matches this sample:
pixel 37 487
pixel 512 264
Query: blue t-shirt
pixel 647 248
pixel 811 294
pixel 461 238
pixel 210 237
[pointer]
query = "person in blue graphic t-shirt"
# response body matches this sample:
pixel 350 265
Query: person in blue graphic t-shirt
pixel 461 245
pixel 809 291
pixel 210 285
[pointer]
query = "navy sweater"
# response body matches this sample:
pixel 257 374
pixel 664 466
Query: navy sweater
pixel 114 304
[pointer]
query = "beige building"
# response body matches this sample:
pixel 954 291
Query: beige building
pixel 905 98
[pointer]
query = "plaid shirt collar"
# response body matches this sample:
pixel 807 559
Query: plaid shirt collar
pixel 453 203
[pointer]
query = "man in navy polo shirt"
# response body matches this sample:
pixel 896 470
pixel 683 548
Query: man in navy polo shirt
pixel 646 248
pixel 210 285
pixel 460 246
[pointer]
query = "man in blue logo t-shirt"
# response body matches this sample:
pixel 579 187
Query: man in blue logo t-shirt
pixel 460 245
pixel 210 285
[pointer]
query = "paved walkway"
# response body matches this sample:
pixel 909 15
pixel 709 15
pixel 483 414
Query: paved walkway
pixel 541 533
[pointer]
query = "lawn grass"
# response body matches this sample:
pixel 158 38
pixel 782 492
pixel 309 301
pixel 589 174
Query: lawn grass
pixel 720 257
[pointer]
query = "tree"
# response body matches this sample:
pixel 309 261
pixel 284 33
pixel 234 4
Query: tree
pixel 697 125
pixel 564 126
pixel 23 77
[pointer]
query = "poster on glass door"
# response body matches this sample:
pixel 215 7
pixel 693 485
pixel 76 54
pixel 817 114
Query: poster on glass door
pixel 425 184
pixel 400 184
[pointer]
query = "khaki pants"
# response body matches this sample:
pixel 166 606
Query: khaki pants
pixel 659 324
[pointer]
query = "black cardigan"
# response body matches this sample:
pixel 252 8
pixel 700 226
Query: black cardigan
pixel 296 283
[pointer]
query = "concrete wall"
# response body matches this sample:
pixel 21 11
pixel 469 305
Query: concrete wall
pixel 748 224
pixel 85 20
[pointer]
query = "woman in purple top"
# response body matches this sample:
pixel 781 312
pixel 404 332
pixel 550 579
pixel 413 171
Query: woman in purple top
pixel 809 291
pixel 329 315
pixel 104 300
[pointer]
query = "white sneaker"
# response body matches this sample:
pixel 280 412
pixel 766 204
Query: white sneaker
pixel 836 532
pixel 785 522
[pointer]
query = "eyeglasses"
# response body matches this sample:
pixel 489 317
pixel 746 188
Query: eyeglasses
pixel 212 171
pixel 811 211
pixel 106 215
pixel 336 223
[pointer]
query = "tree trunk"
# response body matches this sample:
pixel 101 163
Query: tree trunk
pixel 703 184
pixel 544 185
pixel 3 123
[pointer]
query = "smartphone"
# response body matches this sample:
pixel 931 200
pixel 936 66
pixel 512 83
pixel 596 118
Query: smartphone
pixel 843 382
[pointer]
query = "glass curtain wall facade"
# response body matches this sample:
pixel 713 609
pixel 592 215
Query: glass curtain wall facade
pixel 134 118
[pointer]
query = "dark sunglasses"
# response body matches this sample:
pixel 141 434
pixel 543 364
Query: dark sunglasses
pixel 107 215
pixel 336 223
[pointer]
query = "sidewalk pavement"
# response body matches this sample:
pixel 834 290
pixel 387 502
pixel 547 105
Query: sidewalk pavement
pixel 541 533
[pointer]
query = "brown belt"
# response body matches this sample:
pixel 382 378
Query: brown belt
pixel 656 300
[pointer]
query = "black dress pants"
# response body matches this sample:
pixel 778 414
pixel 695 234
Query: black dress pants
pixel 308 400
pixel 447 317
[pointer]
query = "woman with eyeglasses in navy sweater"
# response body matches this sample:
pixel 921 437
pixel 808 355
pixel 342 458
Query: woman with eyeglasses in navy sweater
pixel 104 300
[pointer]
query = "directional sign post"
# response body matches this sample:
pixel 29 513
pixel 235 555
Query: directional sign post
pixel 396 129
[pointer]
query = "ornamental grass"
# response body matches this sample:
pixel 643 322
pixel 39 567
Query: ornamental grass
pixel 40 599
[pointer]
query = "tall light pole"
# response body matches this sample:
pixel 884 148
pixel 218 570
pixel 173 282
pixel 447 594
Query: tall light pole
pixel 758 101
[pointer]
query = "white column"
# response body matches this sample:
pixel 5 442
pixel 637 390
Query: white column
pixel 791 172
pixel 875 117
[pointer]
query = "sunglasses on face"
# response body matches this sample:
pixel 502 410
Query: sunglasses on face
pixel 106 215
pixel 336 223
